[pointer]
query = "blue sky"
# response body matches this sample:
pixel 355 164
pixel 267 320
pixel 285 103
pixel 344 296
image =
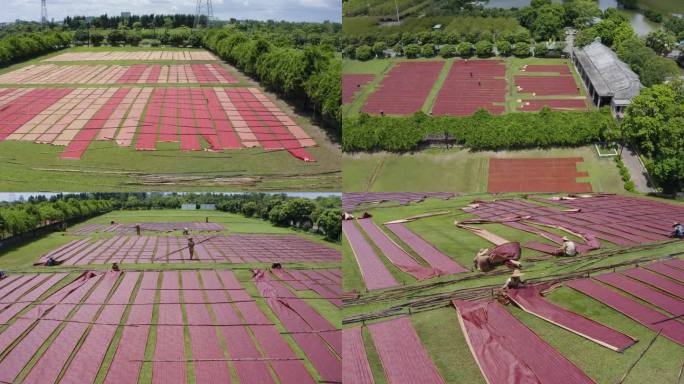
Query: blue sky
pixel 291 10
pixel 6 196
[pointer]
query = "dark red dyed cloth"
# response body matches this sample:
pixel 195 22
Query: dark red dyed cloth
pixel 650 318
pixel 530 300
pixel 509 352
pixel 501 254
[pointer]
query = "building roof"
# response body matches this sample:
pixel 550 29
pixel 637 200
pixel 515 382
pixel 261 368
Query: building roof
pixel 609 76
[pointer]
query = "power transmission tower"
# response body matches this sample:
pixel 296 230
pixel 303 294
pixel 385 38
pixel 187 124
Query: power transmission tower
pixel 204 8
pixel 43 13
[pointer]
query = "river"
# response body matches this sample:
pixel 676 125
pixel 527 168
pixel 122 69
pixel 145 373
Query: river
pixel 641 24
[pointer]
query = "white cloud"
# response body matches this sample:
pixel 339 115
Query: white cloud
pixel 297 10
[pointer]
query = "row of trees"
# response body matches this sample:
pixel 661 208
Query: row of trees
pixel 654 123
pixel 134 21
pixel 28 45
pixel 20 217
pixel 541 21
pixel 321 215
pixel 308 76
pixel 465 49
pixel 643 56
pixel 180 37
pixel 481 131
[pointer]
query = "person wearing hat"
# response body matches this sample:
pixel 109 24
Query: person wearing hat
pixel 191 247
pixel 678 232
pixel 568 248
pixel 186 231
pixel 515 281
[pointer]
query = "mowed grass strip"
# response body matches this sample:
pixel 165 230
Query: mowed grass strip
pixel 460 170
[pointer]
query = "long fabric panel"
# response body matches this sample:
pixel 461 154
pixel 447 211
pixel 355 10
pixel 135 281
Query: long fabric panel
pixel 509 352
pixel 530 300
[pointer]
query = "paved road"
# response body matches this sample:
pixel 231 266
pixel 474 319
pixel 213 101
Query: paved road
pixel 636 170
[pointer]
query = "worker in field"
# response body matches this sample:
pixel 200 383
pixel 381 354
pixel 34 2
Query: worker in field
pixel 115 267
pixel 568 248
pixel 206 219
pixel 191 247
pixel 678 230
pixel 515 281
pixel 137 229
pixel 506 254
pixel 186 231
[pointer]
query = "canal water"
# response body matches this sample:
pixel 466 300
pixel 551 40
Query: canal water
pixel 641 24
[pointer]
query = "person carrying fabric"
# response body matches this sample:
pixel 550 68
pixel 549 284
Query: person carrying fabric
pixel 568 248
pixel 191 247
pixel 506 254
pixel 515 281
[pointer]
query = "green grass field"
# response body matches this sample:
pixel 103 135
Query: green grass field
pixel 107 167
pixel 458 170
pixel 439 330
pixel 21 257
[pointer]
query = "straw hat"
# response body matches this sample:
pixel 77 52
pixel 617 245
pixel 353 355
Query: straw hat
pixel 517 273
pixel 565 238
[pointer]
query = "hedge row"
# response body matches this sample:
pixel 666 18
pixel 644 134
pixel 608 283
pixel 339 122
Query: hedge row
pixel 481 131
pixel 308 76
pixel 29 45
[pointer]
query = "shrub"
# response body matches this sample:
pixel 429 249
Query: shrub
pixel 540 50
pixel 448 50
pixel 484 48
pixel 96 39
pixel 521 49
pixel 503 47
pixel 427 50
pixel 412 50
pixel 364 53
pixel 465 49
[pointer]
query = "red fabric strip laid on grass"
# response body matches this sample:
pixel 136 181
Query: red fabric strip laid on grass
pixel 508 352
pixel 404 89
pixel 85 136
pixel 125 367
pixel 267 336
pixel 169 355
pixel 375 274
pixel 24 351
pixel 403 356
pixel 531 301
pixel 425 250
pixel 656 280
pixel 307 327
pixel 352 84
pixel 646 316
pixel 147 135
pixel 203 120
pixel 203 339
pixel 189 136
pixel 8 310
pixel 666 270
pixel 227 137
pixel 643 292
pixel 86 363
pixel 48 367
pixel 26 107
pixel 168 128
pixel 355 367
pixel 394 253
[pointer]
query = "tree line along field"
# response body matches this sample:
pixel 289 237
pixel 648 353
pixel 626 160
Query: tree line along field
pixel 246 168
